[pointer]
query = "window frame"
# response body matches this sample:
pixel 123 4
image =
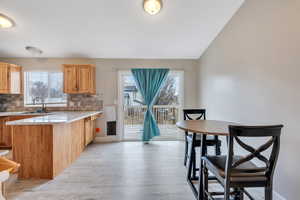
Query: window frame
pixel 25 78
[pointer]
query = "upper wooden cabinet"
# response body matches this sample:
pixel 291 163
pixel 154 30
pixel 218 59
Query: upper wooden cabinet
pixel 10 79
pixel 70 79
pixel 79 79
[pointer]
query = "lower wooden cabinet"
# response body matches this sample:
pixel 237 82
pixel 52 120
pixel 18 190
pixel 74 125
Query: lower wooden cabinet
pixel 44 151
pixel 90 128
pixel 6 131
pixel 90 134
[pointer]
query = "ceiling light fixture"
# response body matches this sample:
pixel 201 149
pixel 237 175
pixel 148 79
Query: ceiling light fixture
pixel 34 50
pixel 152 6
pixel 6 22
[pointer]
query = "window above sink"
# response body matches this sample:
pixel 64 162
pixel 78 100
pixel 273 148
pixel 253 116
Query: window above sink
pixel 44 87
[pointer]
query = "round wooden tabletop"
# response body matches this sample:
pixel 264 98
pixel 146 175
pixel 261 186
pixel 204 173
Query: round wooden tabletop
pixel 209 127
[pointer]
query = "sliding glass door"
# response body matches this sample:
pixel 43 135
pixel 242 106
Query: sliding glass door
pixel 167 109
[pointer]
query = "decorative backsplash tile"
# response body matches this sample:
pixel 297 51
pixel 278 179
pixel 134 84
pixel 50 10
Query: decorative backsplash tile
pixel 83 102
pixel 76 102
pixel 11 102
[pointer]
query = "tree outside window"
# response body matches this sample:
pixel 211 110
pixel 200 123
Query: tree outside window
pixel 44 87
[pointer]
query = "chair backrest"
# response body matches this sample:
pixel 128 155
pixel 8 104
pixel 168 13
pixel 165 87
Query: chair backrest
pixel 197 113
pixel 238 132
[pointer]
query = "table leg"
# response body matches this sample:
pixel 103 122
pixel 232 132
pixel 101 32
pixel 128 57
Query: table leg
pixel 203 148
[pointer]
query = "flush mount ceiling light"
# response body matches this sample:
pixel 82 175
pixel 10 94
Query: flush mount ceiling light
pixel 6 22
pixel 152 6
pixel 34 50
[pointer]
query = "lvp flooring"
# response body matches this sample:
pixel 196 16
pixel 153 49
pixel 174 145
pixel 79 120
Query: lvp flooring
pixel 133 132
pixel 116 171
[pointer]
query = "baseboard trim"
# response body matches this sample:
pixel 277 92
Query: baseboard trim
pixel 107 139
pixel 278 196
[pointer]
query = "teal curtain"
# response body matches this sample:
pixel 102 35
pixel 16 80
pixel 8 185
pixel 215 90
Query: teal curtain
pixel 149 83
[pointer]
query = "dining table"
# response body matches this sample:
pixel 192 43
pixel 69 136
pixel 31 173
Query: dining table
pixel 203 128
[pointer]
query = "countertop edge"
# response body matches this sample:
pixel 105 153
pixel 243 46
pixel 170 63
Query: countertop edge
pixel 22 123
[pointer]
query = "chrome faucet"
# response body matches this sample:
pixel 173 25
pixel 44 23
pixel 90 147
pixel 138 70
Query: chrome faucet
pixel 44 109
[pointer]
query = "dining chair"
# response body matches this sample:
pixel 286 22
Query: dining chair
pixel 239 172
pixel 197 114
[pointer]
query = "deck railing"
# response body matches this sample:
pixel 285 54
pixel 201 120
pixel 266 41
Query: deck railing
pixel 163 114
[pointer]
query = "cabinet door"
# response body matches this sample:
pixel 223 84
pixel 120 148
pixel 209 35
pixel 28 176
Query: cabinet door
pixel 84 79
pixel 93 80
pixel 6 139
pixel 70 79
pixel 89 134
pixel 94 129
pixel 15 79
pixel 4 78
pixel 2 123
pixel 5 133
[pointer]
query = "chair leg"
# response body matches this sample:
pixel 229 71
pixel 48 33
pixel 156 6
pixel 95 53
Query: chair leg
pixel 190 161
pixel 269 192
pixel 238 194
pixel 241 194
pixel 193 157
pixel 217 146
pixel 205 182
pixel 186 152
pixel 218 149
pixel 227 193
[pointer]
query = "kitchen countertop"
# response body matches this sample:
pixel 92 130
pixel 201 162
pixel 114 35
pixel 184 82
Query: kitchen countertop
pixel 52 118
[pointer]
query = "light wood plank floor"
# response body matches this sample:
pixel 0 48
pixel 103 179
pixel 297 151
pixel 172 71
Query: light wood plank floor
pixel 117 171
pixel 167 132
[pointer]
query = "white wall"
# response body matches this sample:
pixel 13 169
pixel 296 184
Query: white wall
pixel 107 73
pixel 251 74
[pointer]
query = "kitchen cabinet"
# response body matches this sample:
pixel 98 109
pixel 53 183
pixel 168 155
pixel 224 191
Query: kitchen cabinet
pixel 79 79
pixel 45 150
pixel 90 128
pixel 70 79
pixel 89 131
pixel 11 79
pixel 6 131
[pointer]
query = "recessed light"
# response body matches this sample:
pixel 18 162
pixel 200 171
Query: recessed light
pixel 6 22
pixel 152 6
pixel 34 50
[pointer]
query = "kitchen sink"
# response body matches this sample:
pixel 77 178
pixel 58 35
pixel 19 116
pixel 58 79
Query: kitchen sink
pixel 35 112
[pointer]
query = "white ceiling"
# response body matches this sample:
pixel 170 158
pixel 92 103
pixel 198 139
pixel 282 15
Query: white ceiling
pixel 113 28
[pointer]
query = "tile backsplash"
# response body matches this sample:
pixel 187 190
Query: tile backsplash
pixel 76 102
pixel 82 102
pixel 11 102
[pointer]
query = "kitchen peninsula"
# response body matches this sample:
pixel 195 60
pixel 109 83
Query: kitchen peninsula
pixel 46 145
